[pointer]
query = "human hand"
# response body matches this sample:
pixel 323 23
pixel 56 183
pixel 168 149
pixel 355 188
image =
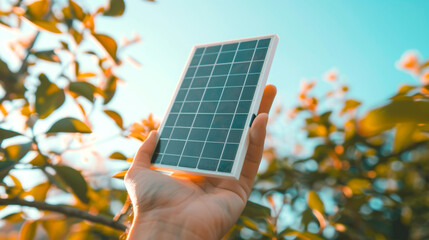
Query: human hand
pixel 192 207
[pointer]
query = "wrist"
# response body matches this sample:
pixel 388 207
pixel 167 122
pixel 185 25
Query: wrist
pixel 149 229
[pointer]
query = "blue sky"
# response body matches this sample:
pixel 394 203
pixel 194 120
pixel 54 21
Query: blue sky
pixel 362 39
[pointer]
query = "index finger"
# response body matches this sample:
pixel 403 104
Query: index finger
pixel 267 98
pixel 257 139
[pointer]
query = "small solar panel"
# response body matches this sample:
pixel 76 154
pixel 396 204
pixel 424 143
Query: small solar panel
pixel 205 130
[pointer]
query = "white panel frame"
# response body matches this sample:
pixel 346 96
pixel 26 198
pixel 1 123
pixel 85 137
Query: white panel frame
pixel 244 142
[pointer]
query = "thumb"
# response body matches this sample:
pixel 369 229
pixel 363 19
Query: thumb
pixel 144 154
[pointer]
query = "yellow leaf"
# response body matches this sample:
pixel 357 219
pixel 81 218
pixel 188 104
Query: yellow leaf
pixel 28 230
pixel 108 44
pixel 55 228
pixel 46 25
pixel 39 160
pixel 120 175
pixel 358 185
pixel 397 111
pixel 40 191
pixel 115 117
pixel 38 9
pixel 314 201
pixel 249 223
pixel 77 10
pixel 403 135
pixel 86 75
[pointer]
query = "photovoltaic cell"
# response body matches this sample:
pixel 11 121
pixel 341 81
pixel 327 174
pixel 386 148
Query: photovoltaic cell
pixel 204 128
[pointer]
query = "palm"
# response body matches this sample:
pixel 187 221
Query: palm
pixel 215 202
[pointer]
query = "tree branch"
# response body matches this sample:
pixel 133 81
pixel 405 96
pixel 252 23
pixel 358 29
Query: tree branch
pixel 66 210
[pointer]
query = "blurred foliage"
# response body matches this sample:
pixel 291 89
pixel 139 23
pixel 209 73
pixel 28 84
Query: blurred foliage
pixel 351 177
pixel 60 88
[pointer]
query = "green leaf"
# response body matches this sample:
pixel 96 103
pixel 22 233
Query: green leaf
pixel 83 89
pixel 115 117
pixel 403 136
pixel 254 210
pixel 108 44
pixel 4 134
pixel 116 8
pixel 48 55
pixel 5 167
pixel 18 151
pixel 397 111
pixel 49 97
pixel 74 180
pixel 70 125
pixel 110 89
pixel 28 230
pixel 314 201
pixel 118 155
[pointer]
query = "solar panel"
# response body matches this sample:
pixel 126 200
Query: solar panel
pixel 205 130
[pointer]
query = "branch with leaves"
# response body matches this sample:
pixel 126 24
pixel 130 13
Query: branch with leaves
pixel 66 210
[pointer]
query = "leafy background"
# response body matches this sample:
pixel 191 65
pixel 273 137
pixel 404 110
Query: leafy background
pixel 332 169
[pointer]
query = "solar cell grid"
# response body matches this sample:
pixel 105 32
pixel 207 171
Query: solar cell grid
pixel 207 119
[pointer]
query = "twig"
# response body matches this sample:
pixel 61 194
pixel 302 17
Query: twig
pixel 66 210
pixel 124 211
pixel 24 61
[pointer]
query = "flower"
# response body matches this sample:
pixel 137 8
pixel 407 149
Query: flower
pixel 140 130
pixel 409 62
pixel 331 75
pixel 424 79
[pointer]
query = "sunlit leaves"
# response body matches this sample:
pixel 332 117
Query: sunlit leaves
pixel 108 44
pixel 76 10
pixel 358 185
pixel 403 135
pixel 118 156
pixel 49 26
pixel 120 175
pixel 115 117
pixel 55 228
pixel 110 89
pixel 314 202
pixel 18 151
pixel 49 97
pixel 28 230
pixel 116 8
pixel 399 111
pixel 47 55
pixel 39 192
pixel 74 180
pixel 38 9
pixel 349 105
pixel 84 89
pixel 256 210
pixel 70 125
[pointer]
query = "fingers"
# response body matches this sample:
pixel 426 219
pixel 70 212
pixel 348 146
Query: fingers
pixel 256 139
pixel 144 154
pixel 267 98
pixel 254 151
